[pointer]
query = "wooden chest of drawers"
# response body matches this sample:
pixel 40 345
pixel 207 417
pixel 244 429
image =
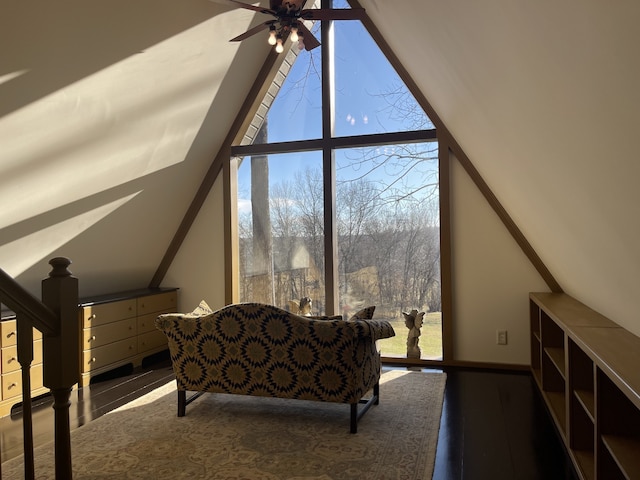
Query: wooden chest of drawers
pixel 10 370
pixel 119 329
pixel 116 330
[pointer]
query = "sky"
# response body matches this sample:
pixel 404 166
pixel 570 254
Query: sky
pixel 363 75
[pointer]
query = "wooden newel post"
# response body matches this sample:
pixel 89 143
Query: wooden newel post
pixel 61 354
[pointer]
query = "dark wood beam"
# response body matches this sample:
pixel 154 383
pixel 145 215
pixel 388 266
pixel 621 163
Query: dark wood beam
pixel 374 139
pixel 331 275
pixel 446 262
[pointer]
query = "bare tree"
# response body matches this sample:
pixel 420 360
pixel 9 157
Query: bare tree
pixel 358 202
pixel 309 201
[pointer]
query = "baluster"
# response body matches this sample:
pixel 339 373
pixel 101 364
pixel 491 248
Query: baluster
pixel 25 357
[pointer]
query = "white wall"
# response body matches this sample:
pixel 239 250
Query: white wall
pixel 198 269
pixel 491 280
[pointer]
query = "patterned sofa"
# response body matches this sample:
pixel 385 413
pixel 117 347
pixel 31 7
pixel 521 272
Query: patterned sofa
pixel 258 349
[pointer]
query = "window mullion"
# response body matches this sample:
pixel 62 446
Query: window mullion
pixel 328 103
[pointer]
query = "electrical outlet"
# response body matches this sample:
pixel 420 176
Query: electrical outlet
pixel 501 337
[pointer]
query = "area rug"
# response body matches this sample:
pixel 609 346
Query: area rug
pixel 234 437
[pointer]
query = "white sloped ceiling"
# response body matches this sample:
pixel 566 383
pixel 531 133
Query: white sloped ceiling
pixel 110 114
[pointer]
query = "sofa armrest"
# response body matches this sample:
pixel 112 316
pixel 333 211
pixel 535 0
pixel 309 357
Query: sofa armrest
pixel 374 329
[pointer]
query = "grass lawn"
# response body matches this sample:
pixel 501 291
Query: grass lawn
pixel 430 342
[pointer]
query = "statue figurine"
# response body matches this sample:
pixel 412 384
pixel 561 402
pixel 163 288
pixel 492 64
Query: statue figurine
pixel 303 307
pixel 413 320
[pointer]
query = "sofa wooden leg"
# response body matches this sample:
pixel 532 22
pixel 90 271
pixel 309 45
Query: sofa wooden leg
pixel 354 418
pixel 182 403
pixel 356 415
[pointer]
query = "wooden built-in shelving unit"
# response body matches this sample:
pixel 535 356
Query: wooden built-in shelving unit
pixel 588 370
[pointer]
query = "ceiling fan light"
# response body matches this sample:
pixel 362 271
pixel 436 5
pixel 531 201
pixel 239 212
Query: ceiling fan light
pixel 279 47
pixel 294 33
pixel 272 35
pixel 300 42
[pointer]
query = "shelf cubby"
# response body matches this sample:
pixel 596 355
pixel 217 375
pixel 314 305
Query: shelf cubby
pixel 582 436
pixel 582 409
pixel 552 341
pixel 618 431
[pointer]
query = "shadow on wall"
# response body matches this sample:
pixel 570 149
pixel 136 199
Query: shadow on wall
pixel 52 46
pixel 102 178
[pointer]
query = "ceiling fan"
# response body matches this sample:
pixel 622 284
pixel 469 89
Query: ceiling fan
pixel 288 21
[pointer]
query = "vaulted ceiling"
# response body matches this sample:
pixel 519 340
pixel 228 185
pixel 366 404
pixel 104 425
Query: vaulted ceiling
pixel 111 113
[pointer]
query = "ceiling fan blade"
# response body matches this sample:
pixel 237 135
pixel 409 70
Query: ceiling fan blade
pixel 234 3
pixel 252 31
pixel 332 14
pixel 309 39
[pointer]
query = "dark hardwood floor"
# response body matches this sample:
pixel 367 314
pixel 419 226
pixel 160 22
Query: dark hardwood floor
pixel 494 424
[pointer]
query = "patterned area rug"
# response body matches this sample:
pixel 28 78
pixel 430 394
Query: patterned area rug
pixel 235 437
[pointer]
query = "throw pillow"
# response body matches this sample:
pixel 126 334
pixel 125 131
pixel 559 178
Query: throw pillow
pixel 364 314
pixel 202 309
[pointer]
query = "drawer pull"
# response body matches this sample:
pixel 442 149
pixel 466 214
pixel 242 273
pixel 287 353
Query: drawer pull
pixel 92 338
pixel 11 334
pixel 92 317
pixel 13 385
pixel 93 360
pixel 12 359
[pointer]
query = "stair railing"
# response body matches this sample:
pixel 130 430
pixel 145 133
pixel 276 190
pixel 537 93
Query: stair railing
pixel 56 316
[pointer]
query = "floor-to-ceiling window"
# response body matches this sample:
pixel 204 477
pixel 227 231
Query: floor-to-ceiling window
pixel 338 194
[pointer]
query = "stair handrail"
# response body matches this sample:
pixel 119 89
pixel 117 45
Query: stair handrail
pixel 19 300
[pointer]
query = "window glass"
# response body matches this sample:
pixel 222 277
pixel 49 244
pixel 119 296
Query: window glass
pixel 296 108
pixel 389 240
pixel 370 96
pixel 280 211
